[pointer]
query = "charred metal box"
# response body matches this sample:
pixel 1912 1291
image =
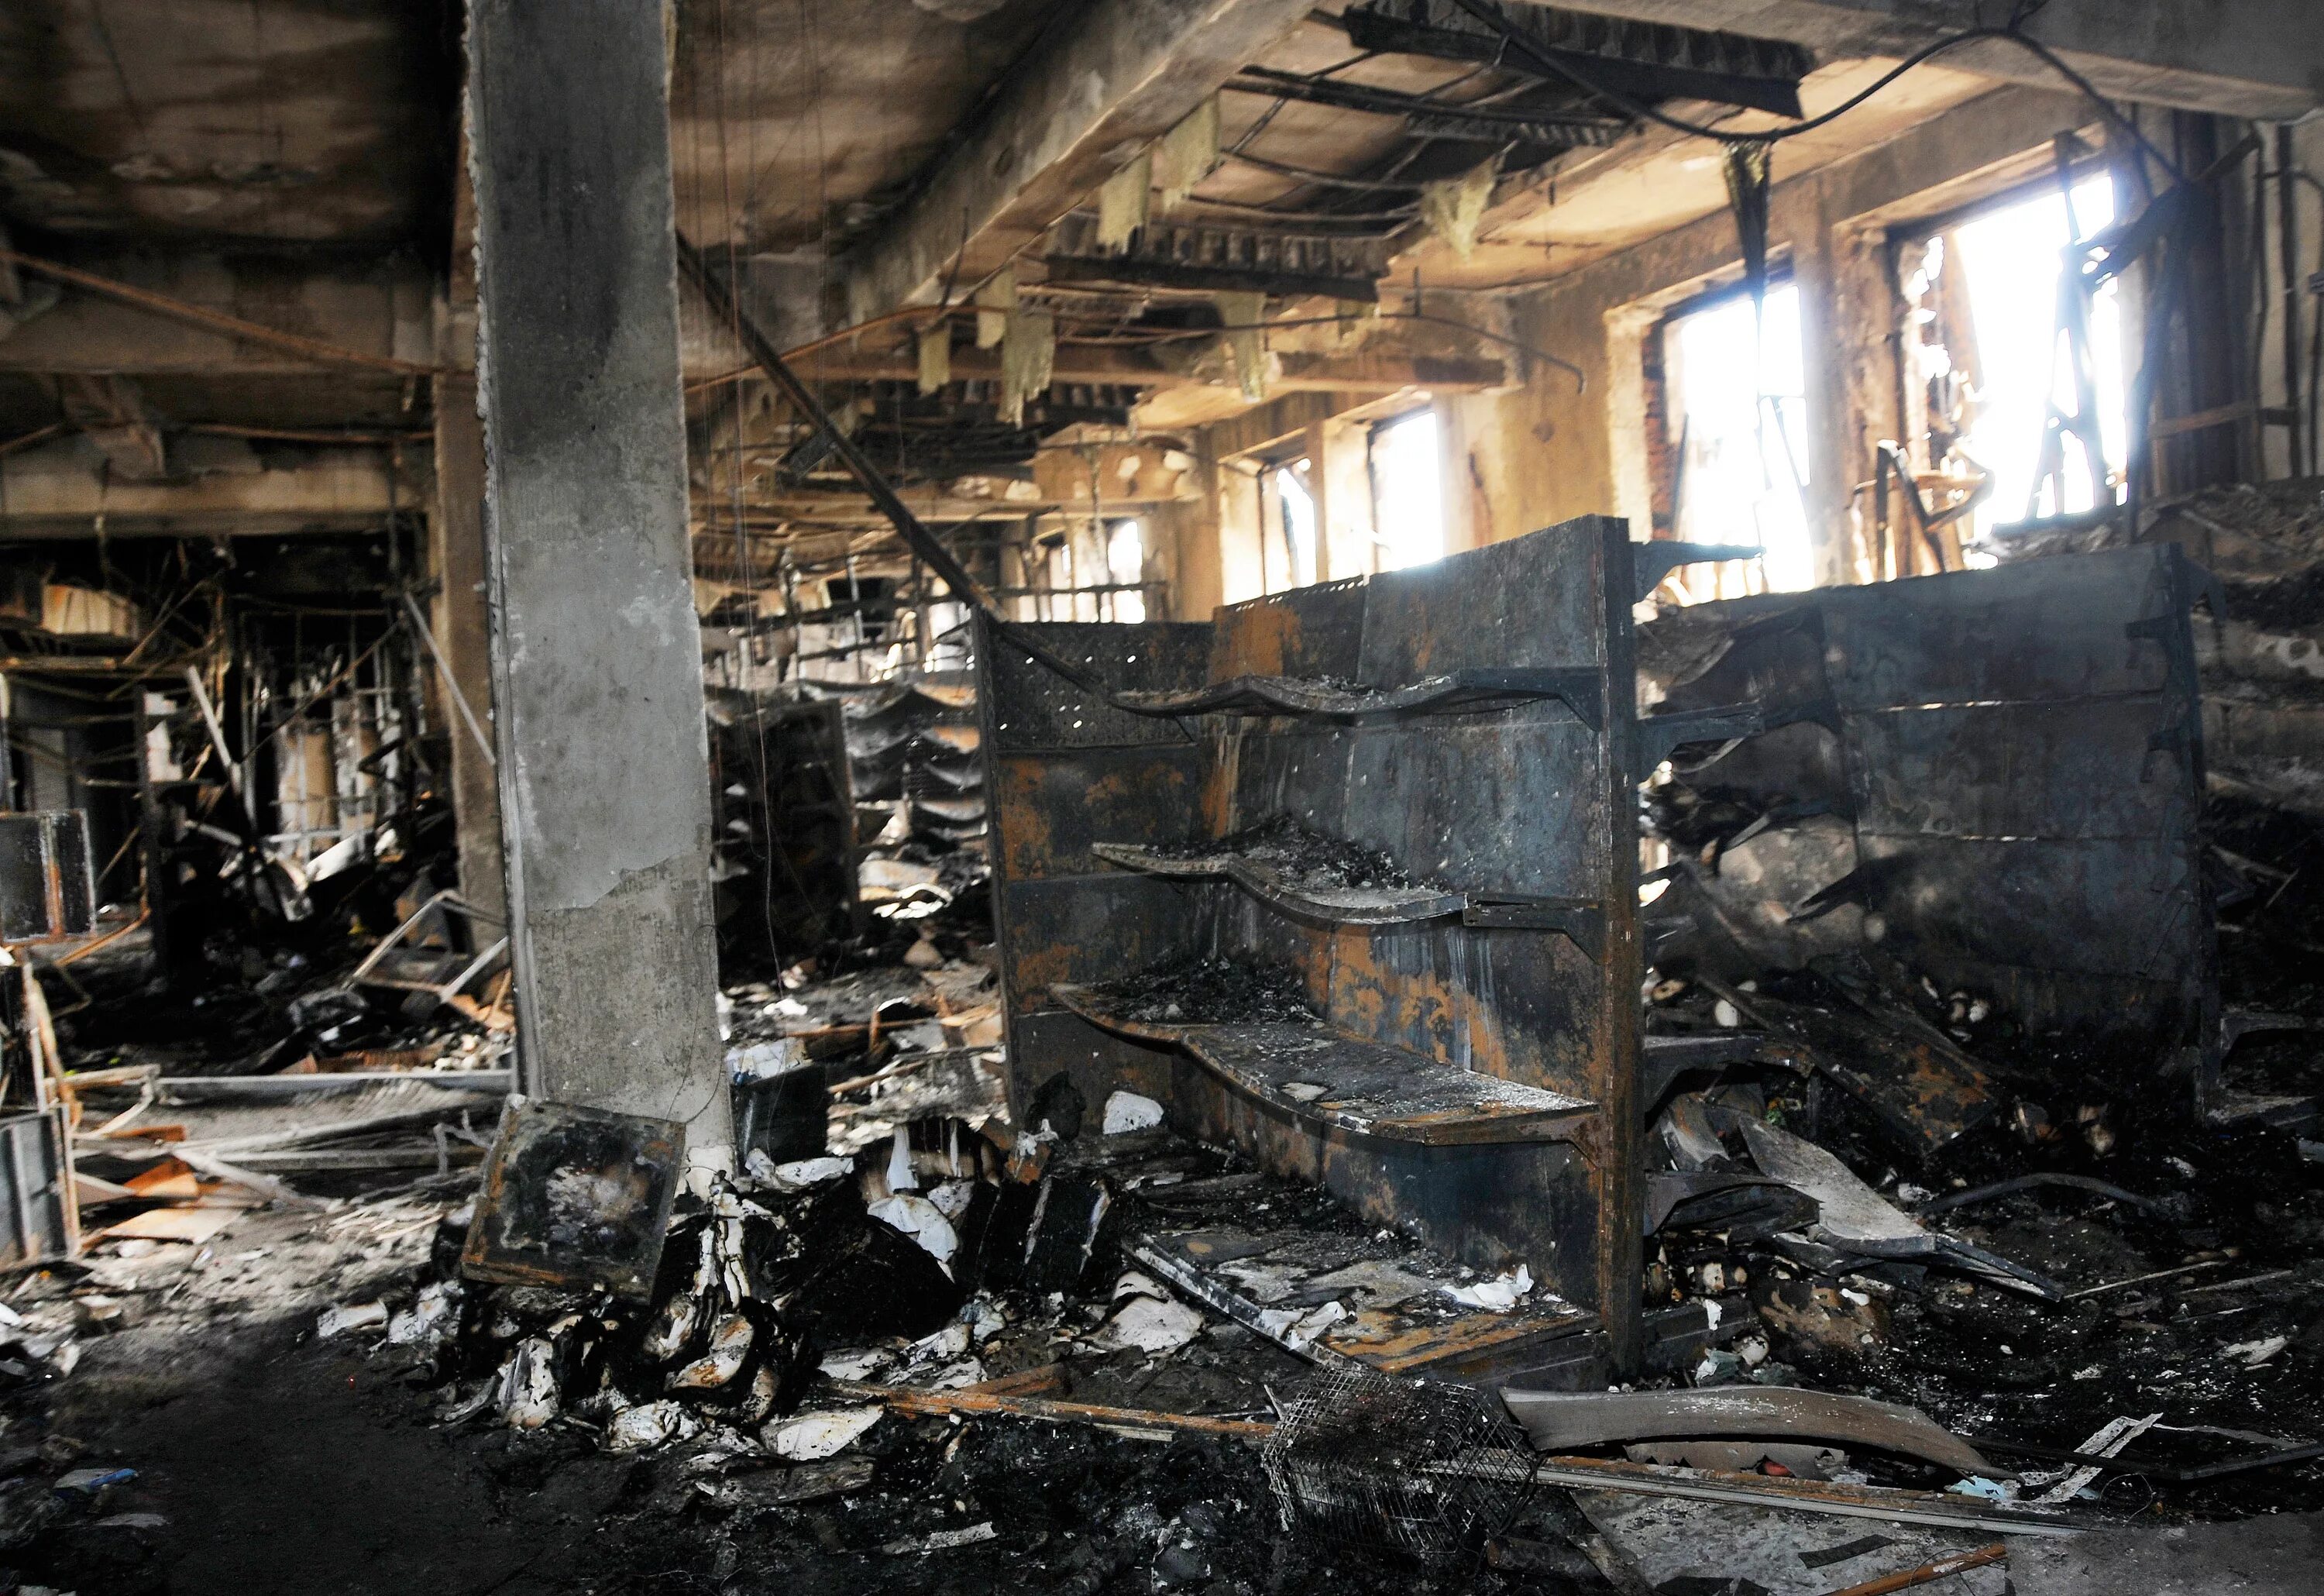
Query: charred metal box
pixel 47 891
pixel 43 1220
pixel 574 1198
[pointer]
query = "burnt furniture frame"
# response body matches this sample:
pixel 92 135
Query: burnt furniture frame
pixel 1474 1081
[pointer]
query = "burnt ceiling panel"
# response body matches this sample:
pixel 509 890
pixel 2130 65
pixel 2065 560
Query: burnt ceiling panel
pixel 793 126
pixel 228 121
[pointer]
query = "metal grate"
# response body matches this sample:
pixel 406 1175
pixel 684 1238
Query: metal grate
pixel 1427 1470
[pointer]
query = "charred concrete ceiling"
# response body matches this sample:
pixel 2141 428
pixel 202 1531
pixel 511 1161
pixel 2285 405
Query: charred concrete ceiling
pixel 294 163
pixel 229 123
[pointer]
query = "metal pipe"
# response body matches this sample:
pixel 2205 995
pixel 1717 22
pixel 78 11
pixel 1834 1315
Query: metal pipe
pixel 444 669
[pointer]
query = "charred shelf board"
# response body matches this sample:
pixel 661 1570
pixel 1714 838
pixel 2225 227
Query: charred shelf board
pixel 1578 690
pixel 1345 906
pixel 1329 1078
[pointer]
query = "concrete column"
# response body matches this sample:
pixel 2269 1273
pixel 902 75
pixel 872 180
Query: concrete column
pixel 596 664
pixel 462 624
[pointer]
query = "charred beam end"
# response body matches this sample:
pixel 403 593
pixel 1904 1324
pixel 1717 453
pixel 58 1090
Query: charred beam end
pixel 1643 60
pixel 1201 255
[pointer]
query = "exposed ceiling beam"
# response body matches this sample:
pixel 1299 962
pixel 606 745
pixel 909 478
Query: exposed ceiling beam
pixel 1106 78
pixel 1359 370
pixel 1642 61
pixel 382 310
pixel 2256 59
pixel 1221 255
pixel 56 492
pixel 112 414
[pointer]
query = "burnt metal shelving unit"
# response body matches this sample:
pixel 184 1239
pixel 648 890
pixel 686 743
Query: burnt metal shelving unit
pixel 1472 1078
pixel 1994 778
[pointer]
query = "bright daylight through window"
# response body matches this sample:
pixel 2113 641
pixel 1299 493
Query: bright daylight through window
pixel 1738 412
pixel 1407 491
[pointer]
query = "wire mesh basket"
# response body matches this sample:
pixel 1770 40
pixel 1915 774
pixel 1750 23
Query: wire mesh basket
pixel 1418 1467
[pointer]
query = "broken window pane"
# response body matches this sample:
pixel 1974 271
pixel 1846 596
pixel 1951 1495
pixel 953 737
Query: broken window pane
pixel 2022 366
pixel 1298 507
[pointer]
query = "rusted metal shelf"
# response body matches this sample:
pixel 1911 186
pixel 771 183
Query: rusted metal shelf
pixel 1344 906
pixel 1406 712
pixel 1579 690
pixel 1330 1078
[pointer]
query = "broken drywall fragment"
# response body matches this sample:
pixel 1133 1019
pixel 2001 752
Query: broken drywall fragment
pixel 1126 1112
pixel 934 349
pixel 2256 1352
pixel 900 1177
pixel 810 1437
pixel 940 1346
pixel 796 1176
pixel 1453 208
pixel 430 1318
pixel 995 298
pixel 942 1540
pixel 953 1197
pixel 673 1326
pixel 1122 201
pixel 527 1397
pixel 1154 1327
pixel 1188 153
pixel 1028 353
pixel 1137 1283
pixel 1297 1330
pixel 1241 313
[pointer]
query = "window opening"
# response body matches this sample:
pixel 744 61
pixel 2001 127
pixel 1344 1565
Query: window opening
pixel 1738 399
pixel 1406 469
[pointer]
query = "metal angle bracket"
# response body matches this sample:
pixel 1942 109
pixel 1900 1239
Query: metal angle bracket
pixel 1855 887
pixel 1657 558
pixel 1660 735
pixel 1580 921
pixel 1582 690
pixel 2181 738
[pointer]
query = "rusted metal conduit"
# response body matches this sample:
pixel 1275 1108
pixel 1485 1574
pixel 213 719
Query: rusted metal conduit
pixel 1928 1573
pixel 216 321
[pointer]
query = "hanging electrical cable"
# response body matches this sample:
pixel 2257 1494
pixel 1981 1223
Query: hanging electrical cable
pixel 916 535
